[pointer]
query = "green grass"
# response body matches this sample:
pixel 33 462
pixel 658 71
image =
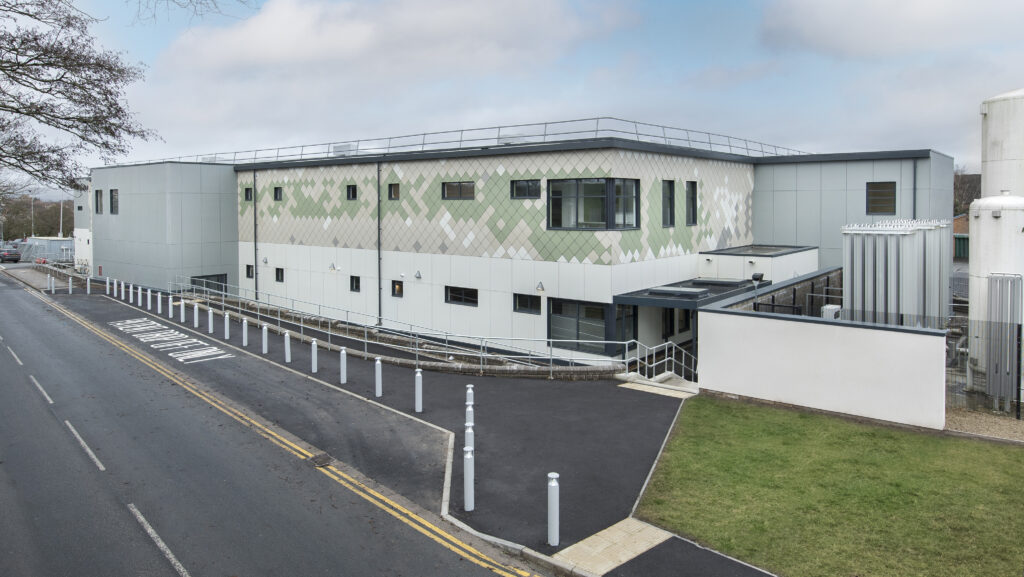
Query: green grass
pixel 808 494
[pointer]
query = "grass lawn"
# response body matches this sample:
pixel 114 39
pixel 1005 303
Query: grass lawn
pixel 807 494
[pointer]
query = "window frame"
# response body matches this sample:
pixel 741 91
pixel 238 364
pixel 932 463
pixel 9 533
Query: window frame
pixel 279 274
pixel 691 203
pixel 887 201
pixel 250 271
pixel 354 283
pixel 351 192
pixel 530 186
pixel 398 289
pixel 529 310
pixel 614 193
pixel 462 296
pixel 247 194
pixel 394 191
pixel 115 206
pixel 668 204
pixel 278 193
pixel 98 209
pixel 460 193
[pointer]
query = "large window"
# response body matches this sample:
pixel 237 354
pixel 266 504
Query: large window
pixel 529 304
pixel 593 203
pixel 577 321
pixel 458 190
pixel 113 201
pixel 460 296
pixel 525 189
pixel 691 203
pixel 881 197
pixel 668 203
pixel 99 202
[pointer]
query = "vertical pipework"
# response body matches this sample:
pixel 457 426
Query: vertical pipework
pixel 255 252
pixel 913 186
pixel 380 256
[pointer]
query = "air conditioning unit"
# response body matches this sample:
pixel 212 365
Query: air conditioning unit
pixel 831 312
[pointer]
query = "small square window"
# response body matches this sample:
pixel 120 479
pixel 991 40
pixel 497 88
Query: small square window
pixel 668 203
pixel 248 194
pixel 279 274
pixel 79 208
pixel 526 189
pixel 397 288
pixel 691 203
pixel 278 193
pixel 353 284
pixel 393 191
pixel 351 192
pixel 113 201
pixel 529 304
pixel 250 271
pixel 881 198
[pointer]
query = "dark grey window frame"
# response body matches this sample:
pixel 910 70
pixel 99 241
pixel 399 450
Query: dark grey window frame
pixel 872 197
pixel 532 188
pixel 353 283
pixel 394 191
pixel 247 192
pixel 351 192
pixel 250 271
pixel 610 199
pixel 115 207
pixel 99 201
pixel 463 296
pixel 463 190
pixel 278 193
pixel 279 274
pixel 529 308
pixel 668 203
pixel 398 289
pixel 691 203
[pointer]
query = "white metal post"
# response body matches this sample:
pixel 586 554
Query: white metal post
pixel 469 394
pixel 419 390
pixel 227 325
pixel 343 366
pixel 312 349
pixel 245 333
pixel 182 309
pixel 149 299
pixel 287 347
pixel 131 294
pixel 378 386
pixel 122 289
pixel 469 413
pixel 108 285
pixel 469 501
pixel 264 338
pixel 159 304
pixel 470 437
pixel 553 509
pixel 88 285
pixel 209 321
pixel 139 302
pixel 69 285
pixel 195 315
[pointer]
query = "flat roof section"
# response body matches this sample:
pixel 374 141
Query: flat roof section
pixel 688 294
pixel 769 250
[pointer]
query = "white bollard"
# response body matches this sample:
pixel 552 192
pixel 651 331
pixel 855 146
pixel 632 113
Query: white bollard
pixel 108 285
pixel 159 304
pixel 88 285
pixel 553 509
pixel 469 501
pixel 227 326
pixel 182 309
pixel 245 333
pixel 469 413
pixel 287 347
pixel 469 394
pixel 131 294
pixel 122 288
pixel 53 286
pixel 69 285
pixel 312 347
pixel 195 315
pixel 343 366
pixel 209 321
pixel 149 299
pixel 419 390
pixel 264 338
pixel 470 437
pixel 139 302
pixel 378 387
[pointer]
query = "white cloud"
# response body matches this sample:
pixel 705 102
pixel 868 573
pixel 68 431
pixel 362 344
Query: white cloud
pixel 879 28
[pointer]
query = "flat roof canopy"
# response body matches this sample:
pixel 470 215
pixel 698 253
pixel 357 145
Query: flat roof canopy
pixel 688 294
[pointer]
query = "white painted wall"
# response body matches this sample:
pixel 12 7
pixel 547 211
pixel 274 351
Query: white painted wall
pixel 889 375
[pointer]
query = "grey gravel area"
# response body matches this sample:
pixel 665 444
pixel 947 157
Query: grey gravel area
pixel 990 425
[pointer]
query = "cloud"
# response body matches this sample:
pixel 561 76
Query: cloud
pixel 879 28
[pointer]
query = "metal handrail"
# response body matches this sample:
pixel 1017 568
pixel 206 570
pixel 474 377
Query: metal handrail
pixel 495 136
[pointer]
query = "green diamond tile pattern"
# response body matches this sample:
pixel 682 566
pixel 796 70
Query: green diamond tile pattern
pixel 314 210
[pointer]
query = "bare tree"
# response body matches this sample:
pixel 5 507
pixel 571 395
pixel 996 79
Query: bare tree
pixel 966 188
pixel 147 9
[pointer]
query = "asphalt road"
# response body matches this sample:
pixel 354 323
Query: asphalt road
pixel 127 472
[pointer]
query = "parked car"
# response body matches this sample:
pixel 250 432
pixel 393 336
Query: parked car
pixel 9 255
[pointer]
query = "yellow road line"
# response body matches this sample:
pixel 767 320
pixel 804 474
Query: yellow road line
pixel 372 496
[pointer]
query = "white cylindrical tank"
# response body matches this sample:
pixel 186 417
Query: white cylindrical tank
pixel 1002 144
pixel 996 247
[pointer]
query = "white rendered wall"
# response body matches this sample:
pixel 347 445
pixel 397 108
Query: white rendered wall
pixel 880 374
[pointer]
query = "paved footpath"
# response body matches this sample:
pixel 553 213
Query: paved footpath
pixel 600 437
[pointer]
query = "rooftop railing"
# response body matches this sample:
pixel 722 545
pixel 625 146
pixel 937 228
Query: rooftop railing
pixel 497 137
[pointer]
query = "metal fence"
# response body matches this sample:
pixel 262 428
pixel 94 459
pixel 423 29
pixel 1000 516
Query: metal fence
pixel 983 366
pixel 498 136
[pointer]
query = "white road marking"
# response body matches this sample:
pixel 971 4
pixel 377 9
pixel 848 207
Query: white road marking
pixel 81 441
pixel 159 542
pixel 15 356
pixel 41 390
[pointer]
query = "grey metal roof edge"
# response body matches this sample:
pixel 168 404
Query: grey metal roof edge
pixel 505 149
pixel 227 165
pixel 718 307
pixel 792 249
pixel 847 156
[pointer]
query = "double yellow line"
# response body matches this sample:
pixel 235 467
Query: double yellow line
pixel 374 497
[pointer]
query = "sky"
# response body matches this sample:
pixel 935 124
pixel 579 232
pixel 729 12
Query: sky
pixel 819 76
